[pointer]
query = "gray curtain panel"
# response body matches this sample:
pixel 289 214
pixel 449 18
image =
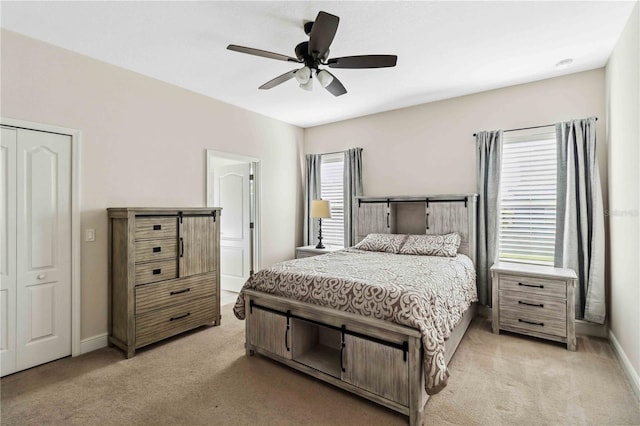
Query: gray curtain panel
pixel 352 188
pixel 311 192
pixel 580 216
pixel 489 159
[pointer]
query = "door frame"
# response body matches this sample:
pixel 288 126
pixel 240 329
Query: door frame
pixel 76 237
pixel 257 179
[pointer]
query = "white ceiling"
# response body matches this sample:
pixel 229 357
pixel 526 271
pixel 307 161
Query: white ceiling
pixel 445 49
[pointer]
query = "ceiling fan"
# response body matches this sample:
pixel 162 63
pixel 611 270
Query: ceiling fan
pixel 314 53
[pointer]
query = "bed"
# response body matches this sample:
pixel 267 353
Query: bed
pixel 380 324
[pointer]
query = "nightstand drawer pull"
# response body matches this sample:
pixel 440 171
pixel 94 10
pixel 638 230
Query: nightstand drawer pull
pixel 157 249
pixel 157 227
pixel 179 291
pixel 180 317
pixel 539 305
pixel 157 271
pixel 531 322
pixel 532 285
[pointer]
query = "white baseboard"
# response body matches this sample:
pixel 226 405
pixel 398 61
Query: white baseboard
pixel 93 343
pixel 631 373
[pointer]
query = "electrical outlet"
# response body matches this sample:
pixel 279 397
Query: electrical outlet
pixel 90 235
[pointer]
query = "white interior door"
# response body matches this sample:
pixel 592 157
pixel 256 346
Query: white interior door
pixel 231 192
pixel 8 278
pixel 42 200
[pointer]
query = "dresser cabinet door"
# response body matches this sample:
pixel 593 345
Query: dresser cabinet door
pixel 196 245
pixel 377 368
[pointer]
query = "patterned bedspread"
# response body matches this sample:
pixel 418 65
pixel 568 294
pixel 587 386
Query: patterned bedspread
pixel 427 293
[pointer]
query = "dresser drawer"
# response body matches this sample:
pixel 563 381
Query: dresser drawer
pixel 172 292
pixel 159 270
pixel 533 305
pixel 156 227
pixel 525 321
pixel 156 249
pixel 540 286
pixel 166 322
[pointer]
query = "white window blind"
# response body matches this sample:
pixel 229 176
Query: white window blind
pixel 528 196
pixel 332 189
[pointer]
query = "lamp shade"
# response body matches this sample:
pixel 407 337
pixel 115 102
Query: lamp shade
pixel 325 78
pixel 303 75
pixel 320 209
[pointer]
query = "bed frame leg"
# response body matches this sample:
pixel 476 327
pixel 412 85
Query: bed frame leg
pixel 247 333
pixel 416 401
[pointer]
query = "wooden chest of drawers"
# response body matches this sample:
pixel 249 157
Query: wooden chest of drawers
pixel 163 273
pixel 534 300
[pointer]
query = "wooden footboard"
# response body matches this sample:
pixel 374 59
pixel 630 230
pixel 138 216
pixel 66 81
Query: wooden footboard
pixel 375 359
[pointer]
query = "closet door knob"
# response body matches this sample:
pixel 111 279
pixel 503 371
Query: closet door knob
pixel 41 276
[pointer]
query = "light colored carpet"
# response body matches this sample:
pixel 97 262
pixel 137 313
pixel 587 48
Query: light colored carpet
pixel 204 377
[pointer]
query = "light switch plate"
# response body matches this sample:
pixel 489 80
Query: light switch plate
pixel 90 235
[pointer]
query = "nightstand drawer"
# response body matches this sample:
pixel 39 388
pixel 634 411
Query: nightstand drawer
pixel 533 305
pixel 540 286
pixel 518 320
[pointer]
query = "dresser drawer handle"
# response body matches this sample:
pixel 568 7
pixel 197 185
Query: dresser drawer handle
pixel 157 249
pixel 157 271
pixel 538 305
pixel 180 317
pixel 531 322
pixel 157 227
pixel 179 291
pixel 532 285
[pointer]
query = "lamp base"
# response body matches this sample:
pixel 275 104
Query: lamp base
pixel 320 245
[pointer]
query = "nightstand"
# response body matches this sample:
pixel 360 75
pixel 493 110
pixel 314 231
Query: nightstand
pixel 308 251
pixel 534 300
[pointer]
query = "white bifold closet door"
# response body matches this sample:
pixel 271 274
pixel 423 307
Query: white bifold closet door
pixel 35 293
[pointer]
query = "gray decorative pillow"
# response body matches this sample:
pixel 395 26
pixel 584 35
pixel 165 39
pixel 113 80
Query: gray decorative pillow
pixel 432 245
pixel 388 243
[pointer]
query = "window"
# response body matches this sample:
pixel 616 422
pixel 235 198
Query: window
pixel 332 189
pixel 528 196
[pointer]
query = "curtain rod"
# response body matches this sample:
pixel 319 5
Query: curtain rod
pixel 336 152
pixel 527 128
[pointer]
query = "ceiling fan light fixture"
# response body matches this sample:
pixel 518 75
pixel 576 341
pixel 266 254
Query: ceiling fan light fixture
pixel 303 75
pixel 309 84
pixel 324 78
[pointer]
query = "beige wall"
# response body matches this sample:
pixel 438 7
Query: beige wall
pixel 430 148
pixel 623 129
pixel 143 144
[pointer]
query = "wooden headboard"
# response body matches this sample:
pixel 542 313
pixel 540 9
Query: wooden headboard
pixel 429 214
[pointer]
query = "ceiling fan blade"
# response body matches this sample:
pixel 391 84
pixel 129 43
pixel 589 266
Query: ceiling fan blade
pixel 363 61
pixel 322 32
pixel 263 53
pixel 278 80
pixel 335 87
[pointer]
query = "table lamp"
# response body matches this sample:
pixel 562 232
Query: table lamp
pixel 320 210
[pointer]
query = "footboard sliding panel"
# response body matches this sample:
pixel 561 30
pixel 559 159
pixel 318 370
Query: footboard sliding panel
pixel 374 359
